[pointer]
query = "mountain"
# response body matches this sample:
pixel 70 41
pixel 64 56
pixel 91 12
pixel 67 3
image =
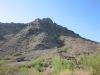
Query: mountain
pixel 42 37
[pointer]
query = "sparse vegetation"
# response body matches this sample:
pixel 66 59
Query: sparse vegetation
pixel 27 47
pixel 62 50
pixel 38 64
pixel 92 62
pixel 7 57
pixel 60 64
pixel 16 54
pixel 7 69
pixel 26 50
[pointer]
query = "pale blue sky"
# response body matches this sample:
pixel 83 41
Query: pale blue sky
pixel 81 16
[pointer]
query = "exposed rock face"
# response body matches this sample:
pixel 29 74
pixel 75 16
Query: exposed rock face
pixel 52 33
pixel 8 30
pixel 41 34
pixel 46 25
pixel 44 20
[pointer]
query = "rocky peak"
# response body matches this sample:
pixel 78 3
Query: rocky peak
pixel 44 20
pixel 47 20
pixel 37 21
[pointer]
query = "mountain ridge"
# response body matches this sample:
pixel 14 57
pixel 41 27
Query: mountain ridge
pixel 39 35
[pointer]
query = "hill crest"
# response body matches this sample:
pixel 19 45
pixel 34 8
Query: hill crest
pixel 42 35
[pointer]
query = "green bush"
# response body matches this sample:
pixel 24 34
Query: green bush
pixel 60 64
pixel 27 47
pixel 37 64
pixel 7 57
pixel 80 59
pixel 16 54
pixel 92 62
pixel 61 50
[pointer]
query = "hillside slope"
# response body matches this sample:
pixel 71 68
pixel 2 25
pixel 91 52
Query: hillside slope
pixel 42 37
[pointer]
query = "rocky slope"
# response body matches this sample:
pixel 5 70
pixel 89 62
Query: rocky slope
pixel 42 37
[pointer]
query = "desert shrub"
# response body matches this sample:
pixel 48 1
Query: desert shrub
pixel 7 57
pixel 16 54
pixel 61 50
pixel 37 64
pixel 60 64
pixel 28 71
pixel 80 59
pixel 26 50
pixel 19 44
pixel 92 62
pixel 27 47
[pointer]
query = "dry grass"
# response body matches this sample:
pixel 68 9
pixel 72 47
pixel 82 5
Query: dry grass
pixel 76 72
pixel 33 73
pixel 66 72
pixel 81 72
